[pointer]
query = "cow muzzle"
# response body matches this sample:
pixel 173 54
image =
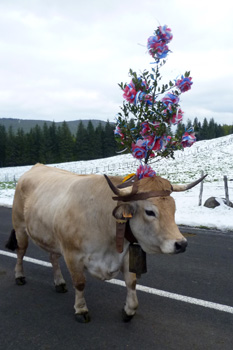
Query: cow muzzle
pixel 174 246
pixel 180 246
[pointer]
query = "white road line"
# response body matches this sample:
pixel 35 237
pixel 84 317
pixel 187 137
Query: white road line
pixel 26 258
pixel 154 291
pixel 179 297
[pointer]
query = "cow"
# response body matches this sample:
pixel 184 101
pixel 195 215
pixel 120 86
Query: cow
pixel 78 217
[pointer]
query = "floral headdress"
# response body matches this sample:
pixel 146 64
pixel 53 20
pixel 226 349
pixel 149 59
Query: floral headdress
pixel 150 135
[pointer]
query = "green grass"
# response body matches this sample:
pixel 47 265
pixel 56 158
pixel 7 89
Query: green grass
pixel 204 227
pixel 7 185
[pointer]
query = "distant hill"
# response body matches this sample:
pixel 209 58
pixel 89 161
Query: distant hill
pixel 27 124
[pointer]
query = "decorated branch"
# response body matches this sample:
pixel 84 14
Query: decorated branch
pixel 151 108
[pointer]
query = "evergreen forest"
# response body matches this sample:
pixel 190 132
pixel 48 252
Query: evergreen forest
pixel 56 144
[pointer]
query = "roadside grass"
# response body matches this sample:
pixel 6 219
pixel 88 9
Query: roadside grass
pixel 7 185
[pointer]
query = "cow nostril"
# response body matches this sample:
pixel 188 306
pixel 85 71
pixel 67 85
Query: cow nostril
pixel 180 246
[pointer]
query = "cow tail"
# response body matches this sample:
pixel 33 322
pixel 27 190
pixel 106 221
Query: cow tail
pixel 12 241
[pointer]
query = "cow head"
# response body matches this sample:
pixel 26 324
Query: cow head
pixel 150 209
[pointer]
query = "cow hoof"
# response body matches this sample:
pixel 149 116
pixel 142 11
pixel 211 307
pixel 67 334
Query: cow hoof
pixel 125 317
pixel 61 288
pixel 83 318
pixel 20 281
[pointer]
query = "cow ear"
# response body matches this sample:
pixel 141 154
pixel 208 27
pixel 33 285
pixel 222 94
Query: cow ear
pixel 124 210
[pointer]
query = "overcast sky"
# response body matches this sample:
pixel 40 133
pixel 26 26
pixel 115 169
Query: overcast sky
pixel 63 60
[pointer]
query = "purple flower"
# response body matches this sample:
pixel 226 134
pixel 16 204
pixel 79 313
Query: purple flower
pixel 164 33
pixel 145 171
pixel 184 84
pixel 176 118
pixel 157 48
pixel 130 92
pixel 157 44
pixel 188 138
pixel 139 149
pixel 169 99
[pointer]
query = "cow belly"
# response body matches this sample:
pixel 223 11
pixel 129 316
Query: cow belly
pixel 104 267
pixel 44 240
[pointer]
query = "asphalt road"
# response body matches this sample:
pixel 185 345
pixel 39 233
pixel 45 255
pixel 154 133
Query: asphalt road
pixel 35 317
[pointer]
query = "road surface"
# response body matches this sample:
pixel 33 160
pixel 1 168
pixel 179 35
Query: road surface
pixel 188 302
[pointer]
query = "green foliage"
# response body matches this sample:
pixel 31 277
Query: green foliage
pixel 7 185
pixel 56 144
pixel 206 130
pixel 153 106
pixel 28 124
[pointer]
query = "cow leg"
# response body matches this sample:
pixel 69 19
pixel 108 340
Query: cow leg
pixel 59 282
pixel 22 242
pixel 131 303
pixel 76 268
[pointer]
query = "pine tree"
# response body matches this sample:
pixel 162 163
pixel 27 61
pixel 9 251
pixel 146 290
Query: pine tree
pixel 204 130
pixel 91 141
pixel 3 137
pixel 54 143
pixel 66 143
pixel 180 130
pixel 47 146
pixel 10 148
pixel 20 148
pixel 109 143
pixel 197 127
pixel 99 134
pixel 34 145
pixel 81 147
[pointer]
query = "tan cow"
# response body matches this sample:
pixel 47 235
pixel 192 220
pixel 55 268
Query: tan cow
pixel 72 215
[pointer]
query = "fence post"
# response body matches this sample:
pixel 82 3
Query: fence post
pixel 226 190
pixel 201 190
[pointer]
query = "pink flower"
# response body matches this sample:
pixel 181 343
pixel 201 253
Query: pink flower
pixel 118 132
pixel 146 127
pixel 139 150
pixel 170 99
pixel 142 96
pixel 176 118
pixel 130 92
pixel 188 138
pixel 161 143
pixel 164 33
pixel 149 141
pixel 157 44
pixel 145 171
pixel 133 96
pixel 184 84
pixel 157 49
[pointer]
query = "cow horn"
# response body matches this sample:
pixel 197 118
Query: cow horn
pixel 122 192
pixel 179 188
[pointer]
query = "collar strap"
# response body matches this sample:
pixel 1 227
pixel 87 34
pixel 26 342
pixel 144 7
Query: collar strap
pixel 142 196
pixel 123 231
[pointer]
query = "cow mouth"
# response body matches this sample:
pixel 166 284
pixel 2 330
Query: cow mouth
pixel 173 247
pixel 153 250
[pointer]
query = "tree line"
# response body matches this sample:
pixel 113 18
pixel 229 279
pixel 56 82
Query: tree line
pixel 56 144
pixel 206 130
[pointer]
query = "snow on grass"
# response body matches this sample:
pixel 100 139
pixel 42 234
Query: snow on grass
pixel 214 157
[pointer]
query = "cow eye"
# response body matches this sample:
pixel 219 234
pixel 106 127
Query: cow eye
pixel 150 213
